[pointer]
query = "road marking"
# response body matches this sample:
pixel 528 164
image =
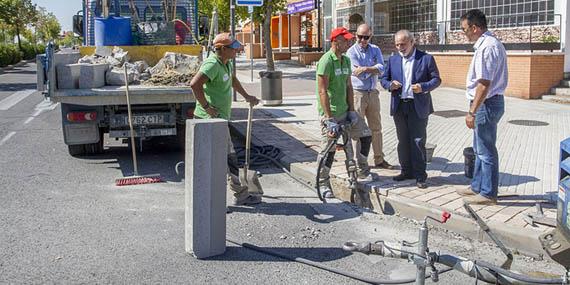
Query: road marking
pixel 15 99
pixel 43 106
pixel 7 137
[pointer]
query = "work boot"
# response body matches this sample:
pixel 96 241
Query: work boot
pixel 247 201
pixel 364 175
pixel 467 191
pixel 480 200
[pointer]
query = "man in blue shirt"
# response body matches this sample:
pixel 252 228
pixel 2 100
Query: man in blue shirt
pixel 367 64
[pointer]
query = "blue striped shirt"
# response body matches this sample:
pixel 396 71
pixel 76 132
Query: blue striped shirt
pixel 371 56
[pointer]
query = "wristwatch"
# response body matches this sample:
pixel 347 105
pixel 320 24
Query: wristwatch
pixel 471 114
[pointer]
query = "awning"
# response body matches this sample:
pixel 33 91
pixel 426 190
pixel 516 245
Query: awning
pixel 301 6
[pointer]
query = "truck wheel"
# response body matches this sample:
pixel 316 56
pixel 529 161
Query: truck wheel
pixel 76 150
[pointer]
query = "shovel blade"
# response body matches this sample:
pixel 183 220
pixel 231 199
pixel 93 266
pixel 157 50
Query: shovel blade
pixel 251 180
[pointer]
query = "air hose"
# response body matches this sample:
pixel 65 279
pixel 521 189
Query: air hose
pixel 327 268
pixel 520 277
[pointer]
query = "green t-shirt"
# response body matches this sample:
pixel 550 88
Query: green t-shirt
pixel 337 71
pixel 217 89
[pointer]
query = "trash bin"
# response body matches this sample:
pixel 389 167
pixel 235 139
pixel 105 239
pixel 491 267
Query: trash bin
pixel 469 155
pixel 271 88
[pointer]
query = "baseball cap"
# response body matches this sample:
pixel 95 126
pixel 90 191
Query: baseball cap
pixel 341 31
pixel 224 39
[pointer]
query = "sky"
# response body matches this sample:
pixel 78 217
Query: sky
pixel 62 9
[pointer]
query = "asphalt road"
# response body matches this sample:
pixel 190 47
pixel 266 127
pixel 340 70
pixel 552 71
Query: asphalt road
pixel 62 220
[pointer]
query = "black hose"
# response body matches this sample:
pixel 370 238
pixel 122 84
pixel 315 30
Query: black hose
pixel 520 277
pixel 320 166
pixel 330 269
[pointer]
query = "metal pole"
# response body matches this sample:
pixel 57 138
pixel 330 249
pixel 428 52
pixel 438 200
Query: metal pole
pixel 422 248
pixel 318 2
pixel 289 31
pixel 233 32
pixel 251 42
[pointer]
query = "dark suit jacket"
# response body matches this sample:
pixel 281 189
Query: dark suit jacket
pixel 425 73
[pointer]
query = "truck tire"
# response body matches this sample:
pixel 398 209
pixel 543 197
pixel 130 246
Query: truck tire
pixel 87 149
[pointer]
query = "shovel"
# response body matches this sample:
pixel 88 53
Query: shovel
pixel 248 177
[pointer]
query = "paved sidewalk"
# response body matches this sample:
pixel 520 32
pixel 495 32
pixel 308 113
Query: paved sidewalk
pixel 529 154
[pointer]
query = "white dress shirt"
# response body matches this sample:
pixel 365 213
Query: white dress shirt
pixel 489 63
pixel 408 69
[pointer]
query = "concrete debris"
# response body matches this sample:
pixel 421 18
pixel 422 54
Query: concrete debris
pixel 141 66
pixel 120 55
pixel 112 61
pixel 103 51
pixel 116 76
pixel 169 78
pixel 181 63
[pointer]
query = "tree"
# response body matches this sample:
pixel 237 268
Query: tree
pixel 47 26
pixel 18 14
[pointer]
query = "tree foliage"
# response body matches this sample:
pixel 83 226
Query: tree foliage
pixel 18 14
pixel 47 26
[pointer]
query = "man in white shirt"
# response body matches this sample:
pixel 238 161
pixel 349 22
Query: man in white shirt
pixel 486 83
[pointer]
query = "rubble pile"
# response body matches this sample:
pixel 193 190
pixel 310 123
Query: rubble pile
pixel 174 69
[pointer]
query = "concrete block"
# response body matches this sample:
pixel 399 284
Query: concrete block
pixel 66 58
pixel 68 76
pixel 40 75
pixel 92 75
pixel 205 187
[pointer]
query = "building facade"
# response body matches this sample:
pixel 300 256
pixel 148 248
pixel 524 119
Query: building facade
pixel 535 33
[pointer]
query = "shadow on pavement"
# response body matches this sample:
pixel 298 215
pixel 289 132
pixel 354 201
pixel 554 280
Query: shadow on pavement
pixel 16 86
pixel 327 213
pixel 317 254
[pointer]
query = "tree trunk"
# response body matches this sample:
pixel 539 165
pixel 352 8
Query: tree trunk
pixel 18 37
pixel 267 36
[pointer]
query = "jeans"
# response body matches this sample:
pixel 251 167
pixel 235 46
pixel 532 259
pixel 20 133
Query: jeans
pixel 486 175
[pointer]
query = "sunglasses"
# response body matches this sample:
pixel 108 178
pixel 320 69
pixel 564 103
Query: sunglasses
pixel 363 37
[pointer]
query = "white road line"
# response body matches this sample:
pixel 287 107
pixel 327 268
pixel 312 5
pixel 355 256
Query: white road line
pixel 7 137
pixel 40 108
pixel 15 99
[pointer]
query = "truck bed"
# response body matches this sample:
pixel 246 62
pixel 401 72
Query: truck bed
pixel 115 95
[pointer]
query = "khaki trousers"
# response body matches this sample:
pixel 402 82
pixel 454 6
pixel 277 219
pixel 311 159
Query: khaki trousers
pixel 367 105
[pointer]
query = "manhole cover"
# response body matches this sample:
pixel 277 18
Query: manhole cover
pixel 528 123
pixel 450 113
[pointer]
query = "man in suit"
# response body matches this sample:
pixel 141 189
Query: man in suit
pixel 410 76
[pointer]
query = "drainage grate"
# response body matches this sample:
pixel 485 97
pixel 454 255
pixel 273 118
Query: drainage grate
pixel 450 113
pixel 528 123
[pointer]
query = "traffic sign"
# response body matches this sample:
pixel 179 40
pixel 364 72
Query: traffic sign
pixel 249 2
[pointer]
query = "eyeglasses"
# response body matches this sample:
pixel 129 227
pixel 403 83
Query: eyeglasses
pixel 362 37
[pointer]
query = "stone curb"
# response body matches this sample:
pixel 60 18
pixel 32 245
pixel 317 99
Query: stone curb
pixel 11 66
pixel 521 240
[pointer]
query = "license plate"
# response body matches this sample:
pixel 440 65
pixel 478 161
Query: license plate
pixel 148 120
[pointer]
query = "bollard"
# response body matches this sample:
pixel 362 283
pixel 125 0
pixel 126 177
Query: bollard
pixel 205 187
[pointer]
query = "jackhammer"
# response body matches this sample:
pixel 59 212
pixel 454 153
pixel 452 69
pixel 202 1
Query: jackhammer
pixel 341 140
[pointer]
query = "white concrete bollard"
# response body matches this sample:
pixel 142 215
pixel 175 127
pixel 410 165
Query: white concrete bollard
pixel 205 194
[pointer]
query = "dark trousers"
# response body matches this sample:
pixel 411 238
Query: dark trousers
pixel 411 132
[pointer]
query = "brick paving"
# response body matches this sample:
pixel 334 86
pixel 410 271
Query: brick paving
pixel 528 154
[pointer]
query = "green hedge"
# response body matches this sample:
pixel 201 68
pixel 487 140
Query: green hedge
pixel 9 54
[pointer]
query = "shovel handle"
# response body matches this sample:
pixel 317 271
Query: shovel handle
pixel 248 138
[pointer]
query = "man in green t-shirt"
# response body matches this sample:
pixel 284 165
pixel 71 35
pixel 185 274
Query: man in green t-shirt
pixel 335 101
pixel 212 88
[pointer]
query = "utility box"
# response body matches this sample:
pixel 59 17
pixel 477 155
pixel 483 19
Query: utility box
pixel 556 243
pixel 257 50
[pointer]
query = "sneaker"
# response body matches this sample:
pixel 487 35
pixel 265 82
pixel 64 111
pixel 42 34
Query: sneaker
pixel 384 164
pixel 479 200
pixel 249 200
pixel 467 191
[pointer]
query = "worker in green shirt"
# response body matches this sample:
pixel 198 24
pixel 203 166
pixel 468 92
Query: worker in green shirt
pixel 212 87
pixel 335 100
